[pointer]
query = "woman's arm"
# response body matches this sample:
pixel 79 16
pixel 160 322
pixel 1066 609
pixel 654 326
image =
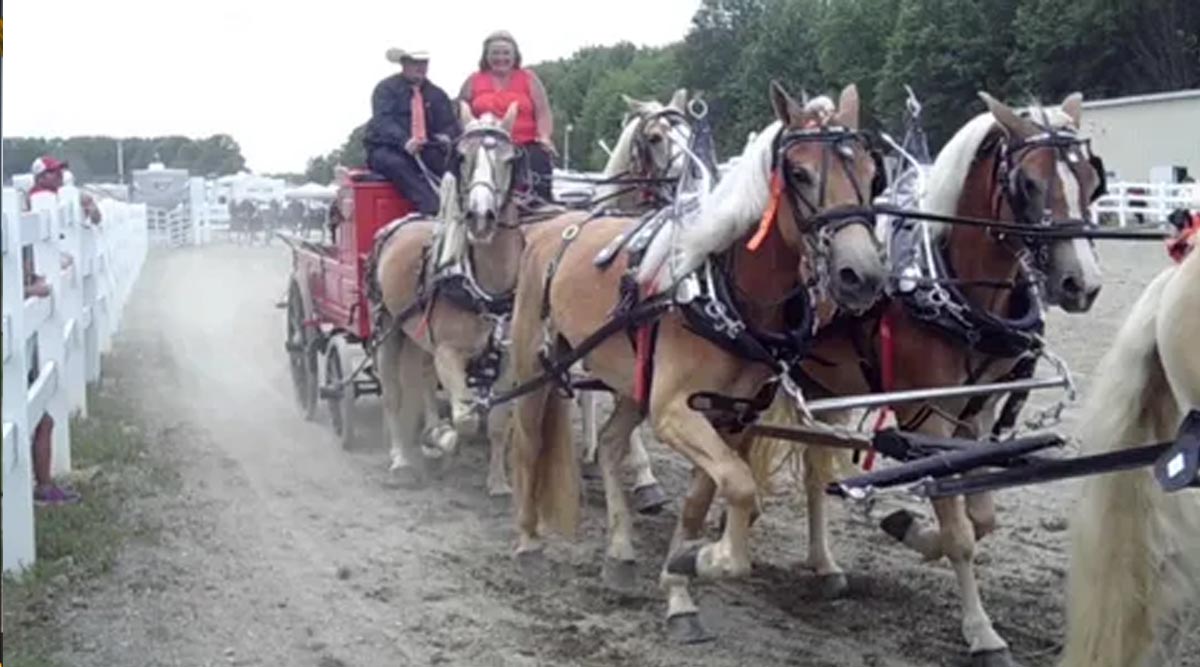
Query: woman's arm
pixel 542 112
pixel 464 93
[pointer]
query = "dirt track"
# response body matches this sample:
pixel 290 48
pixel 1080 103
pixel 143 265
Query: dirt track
pixel 284 550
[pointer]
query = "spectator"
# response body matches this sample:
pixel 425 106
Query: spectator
pixel 48 176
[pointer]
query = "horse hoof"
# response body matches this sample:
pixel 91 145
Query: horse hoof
pixel 996 658
pixel 897 524
pixel 649 499
pixel 687 629
pixel 591 471
pixel 532 563
pixel 832 586
pixel 407 476
pixel 619 575
pixel 499 490
pixel 685 562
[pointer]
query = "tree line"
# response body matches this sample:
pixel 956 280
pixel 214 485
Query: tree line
pixel 1018 50
pixel 93 159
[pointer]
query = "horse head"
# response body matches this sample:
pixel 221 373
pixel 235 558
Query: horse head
pixel 822 182
pixel 659 137
pixel 1048 176
pixel 487 164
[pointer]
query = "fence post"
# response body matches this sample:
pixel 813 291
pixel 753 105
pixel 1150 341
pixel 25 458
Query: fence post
pixel 70 213
pixel 18 468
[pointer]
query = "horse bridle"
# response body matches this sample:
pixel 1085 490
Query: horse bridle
pixel 1007 170
pixel 643 151
pixel 489 136
pixel 817 226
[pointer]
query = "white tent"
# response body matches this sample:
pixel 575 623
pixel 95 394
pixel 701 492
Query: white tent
pixel 312 190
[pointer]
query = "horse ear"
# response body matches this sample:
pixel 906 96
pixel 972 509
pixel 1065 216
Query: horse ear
pixel 679 99
pixel 464 114
pixel 510 118
pixel 786 109
pixel 1012 123
pixel 848 105
pixel 1073 107
pixel 635 106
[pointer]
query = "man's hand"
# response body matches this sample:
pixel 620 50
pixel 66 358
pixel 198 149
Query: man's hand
pixel 414 146
pixel 548 144
pixel 38 288
pixel 90 209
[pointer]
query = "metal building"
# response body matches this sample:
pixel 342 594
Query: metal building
pixel 1147 138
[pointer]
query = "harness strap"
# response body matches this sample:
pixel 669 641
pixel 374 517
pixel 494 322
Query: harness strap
pixel 887 353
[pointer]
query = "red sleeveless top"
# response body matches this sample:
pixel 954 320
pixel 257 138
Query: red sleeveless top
pixel 488 97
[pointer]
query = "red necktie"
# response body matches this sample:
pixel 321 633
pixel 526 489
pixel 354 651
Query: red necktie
pixel 418 114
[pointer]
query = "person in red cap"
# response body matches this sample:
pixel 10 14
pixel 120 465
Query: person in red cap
pixel 1188 226
pixel 48 177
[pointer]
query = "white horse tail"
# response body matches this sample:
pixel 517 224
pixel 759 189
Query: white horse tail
pixel 1120 589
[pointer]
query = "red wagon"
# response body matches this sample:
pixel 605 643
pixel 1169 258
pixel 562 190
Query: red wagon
pixel 328 317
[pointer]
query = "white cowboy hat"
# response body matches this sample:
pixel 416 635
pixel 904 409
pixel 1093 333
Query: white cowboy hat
pixel 400 55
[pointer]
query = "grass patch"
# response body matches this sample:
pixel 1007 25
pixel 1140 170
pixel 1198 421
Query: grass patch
pixel 113 465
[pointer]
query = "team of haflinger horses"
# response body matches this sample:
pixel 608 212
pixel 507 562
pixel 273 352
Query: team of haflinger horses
pixel 699 301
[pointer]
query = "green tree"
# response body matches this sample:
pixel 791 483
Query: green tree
pixel 940 49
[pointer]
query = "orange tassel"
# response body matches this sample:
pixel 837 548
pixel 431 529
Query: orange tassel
pixel 768 218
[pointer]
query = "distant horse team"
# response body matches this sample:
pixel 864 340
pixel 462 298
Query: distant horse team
pixel 697 302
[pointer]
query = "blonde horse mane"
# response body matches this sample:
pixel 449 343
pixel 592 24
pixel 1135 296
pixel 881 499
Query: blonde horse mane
pixel 1135 552
pixel 726 214
pixel 451 235
pixel 947 177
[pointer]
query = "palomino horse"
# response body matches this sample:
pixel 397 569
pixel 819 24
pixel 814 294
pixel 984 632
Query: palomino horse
pixel 811 161
pixel 1027 167
pixel 650 148
pixel 454 321
pixel 1135 550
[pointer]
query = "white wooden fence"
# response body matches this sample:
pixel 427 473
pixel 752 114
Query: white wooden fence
pixel 71 328
pixel 1139 203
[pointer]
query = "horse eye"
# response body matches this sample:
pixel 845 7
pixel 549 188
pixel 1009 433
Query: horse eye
pixel 655 139
pixel 802 176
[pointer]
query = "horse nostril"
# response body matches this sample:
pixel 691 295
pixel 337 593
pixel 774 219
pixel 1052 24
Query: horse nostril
pixel 849 277
pixel 1070 285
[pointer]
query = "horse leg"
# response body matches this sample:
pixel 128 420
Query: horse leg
pixel 499 431
pixel 648 494
pixel 401 364
pixel 591 438
pixel 452 371
pixel 619 569
pixel 689 433
pixel 683 619
pixel 987 648
pixel 818 473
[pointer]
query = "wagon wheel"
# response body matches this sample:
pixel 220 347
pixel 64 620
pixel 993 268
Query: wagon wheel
pixel 302 355
pixel 340 400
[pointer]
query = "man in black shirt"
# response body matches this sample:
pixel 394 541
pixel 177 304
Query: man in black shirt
pixel 411 120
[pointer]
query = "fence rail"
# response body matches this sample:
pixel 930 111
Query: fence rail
pixel 90 270
pixel 1138 203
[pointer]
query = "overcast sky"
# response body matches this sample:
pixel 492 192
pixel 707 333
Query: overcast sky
pixel 288 79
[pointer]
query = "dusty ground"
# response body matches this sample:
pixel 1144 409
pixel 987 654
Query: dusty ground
pixel 281 549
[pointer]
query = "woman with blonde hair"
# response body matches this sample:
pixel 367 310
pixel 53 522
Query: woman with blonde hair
pixel 499 82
